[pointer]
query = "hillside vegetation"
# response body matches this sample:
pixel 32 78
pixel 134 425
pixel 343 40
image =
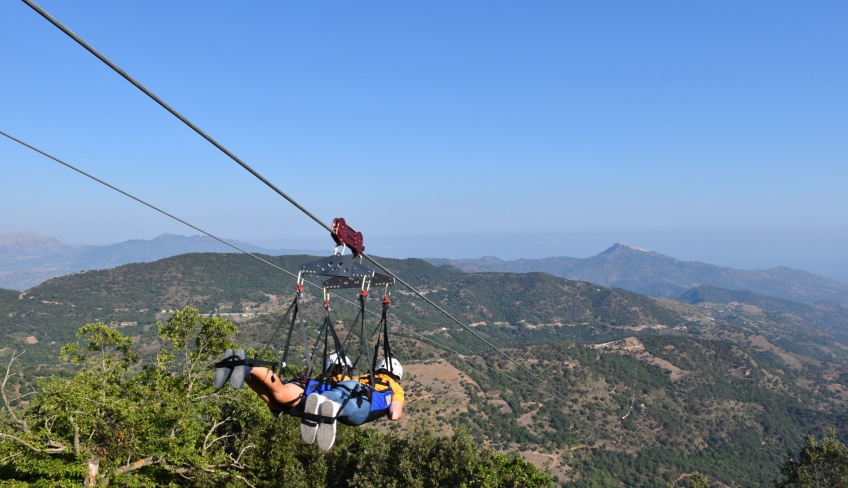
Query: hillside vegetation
pixel 134 296
pixel 827 315
pixel 639 391
pixel 114 422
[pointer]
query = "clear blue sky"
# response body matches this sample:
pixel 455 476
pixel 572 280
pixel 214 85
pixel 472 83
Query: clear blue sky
pixel 711 131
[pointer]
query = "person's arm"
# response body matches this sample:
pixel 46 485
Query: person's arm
pixel 395 410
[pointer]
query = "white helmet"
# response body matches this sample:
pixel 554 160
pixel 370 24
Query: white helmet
pixel 334 359
pixel 393 367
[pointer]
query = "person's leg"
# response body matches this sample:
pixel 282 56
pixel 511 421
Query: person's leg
pixel 338 393
pixel 341 391
pixel 272 390
pixel 312 406
pixel 354 411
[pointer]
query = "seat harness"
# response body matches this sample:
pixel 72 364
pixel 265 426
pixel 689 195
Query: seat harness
pixel 344 271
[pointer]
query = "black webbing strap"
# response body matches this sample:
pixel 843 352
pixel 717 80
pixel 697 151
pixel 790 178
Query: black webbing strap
pixel 376 353
pixel 321 335
pixel 350 330
pixel 307 357
pixel 329 330
pixel 387 348
pixel 337 344
pixel 324 357
pixel 359 356
pixel 297 317
pixel 340 350
pixel 282 321
pixel 312 417
pixel 365 338
pixel 233 361
pixel 285 360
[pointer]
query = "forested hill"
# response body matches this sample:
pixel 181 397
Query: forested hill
pixel 134 296
pixel 643 271
pixel 828 315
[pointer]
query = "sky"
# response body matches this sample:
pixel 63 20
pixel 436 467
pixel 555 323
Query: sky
pixel 708 131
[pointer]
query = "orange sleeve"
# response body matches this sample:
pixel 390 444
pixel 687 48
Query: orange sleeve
pixel 397 391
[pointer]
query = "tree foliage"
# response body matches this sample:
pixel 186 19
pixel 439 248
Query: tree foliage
pixel 698 481
pixel 116 421
pixel 820 464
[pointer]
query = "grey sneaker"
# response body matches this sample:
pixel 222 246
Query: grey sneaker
pixel 308 428
pixel 222 374
pixel 327 432
pixel 237 378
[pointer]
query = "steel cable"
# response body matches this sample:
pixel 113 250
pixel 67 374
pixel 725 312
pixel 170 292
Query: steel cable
pixel 261 178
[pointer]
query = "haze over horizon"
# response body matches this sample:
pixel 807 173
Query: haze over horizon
pixel 710 133
pixel 254 247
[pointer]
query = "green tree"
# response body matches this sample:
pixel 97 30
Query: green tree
pixel 196 341
pixel 159 425
pixel 820 464
pixel 117 423
pixel 46 443
pixel 698 481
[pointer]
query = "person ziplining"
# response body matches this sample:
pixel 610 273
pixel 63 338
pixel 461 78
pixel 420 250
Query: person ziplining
pixel 543 383
pixel 349 401
pixel 428 339
pixel 333 395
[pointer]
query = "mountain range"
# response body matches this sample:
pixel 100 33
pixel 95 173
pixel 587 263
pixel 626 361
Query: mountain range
pixel 642 271
pixel 27 258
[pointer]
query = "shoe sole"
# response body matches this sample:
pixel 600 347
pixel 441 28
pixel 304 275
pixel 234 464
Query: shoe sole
pixel 308 428
pixel 327 432
pixel 237 376
pixel 222 374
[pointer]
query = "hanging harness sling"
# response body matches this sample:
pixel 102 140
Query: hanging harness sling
pixel 232 361
pixel 343 272
pixel 380 400
pixel 327 379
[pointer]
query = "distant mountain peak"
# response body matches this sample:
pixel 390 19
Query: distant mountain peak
pixel 27 258
pixel 648 272
pixel 167 236
pixel 26 238
pixel 490 259
pixel 622 246
pixel 631 246
pixel 17 245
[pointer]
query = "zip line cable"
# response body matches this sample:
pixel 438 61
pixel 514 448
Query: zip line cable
pixel 223 241
pixel 261 178
pixel 143 202
pixel 167 107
